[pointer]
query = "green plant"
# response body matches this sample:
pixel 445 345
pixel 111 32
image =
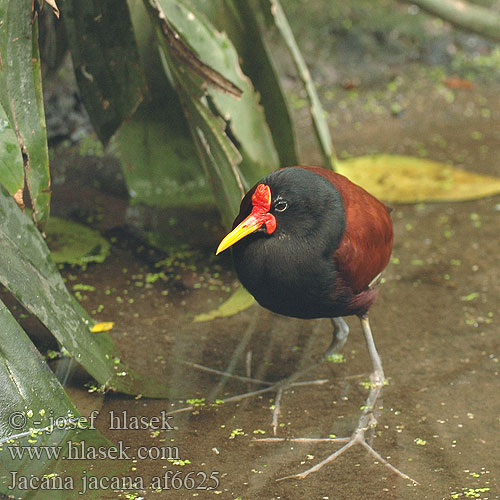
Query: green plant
pixel 202 116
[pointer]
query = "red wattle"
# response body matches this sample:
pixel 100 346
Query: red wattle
pixel 270 223
pixel 261 201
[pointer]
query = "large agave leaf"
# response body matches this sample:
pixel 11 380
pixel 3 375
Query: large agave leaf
pixel 318 114
pixel 27 271
pixel 36 413
pixel 159 159
pixel 30 391
pixel 221 160
pixel 219 156
pixel 105 60
pixel 21 99
pixel 244 117
pixel 259 65
pixel 240 21
pixel 11 160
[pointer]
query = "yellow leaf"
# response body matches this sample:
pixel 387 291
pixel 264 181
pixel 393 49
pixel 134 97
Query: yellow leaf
pixel 239 301
pixel 102 327
pixel 404 179
pixel 18 196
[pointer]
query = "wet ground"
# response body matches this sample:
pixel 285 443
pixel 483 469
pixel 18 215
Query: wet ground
pixel 436 325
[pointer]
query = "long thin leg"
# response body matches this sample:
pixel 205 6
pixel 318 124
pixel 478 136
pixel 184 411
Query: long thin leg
pixel 378 372
pixel 340 334
pixel 366 421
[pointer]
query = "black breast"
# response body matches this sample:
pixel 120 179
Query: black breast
pixel 293 271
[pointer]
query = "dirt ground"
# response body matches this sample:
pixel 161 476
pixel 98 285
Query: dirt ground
pixel 436 322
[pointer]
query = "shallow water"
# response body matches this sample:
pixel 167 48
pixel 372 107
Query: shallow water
pixel 436 326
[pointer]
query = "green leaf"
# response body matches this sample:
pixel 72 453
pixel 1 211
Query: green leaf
pixel 105 60
pixel 404 179
pixel 183 53
pixel 35 413
pixel 72 243
pixel 28 272
pixel 318 114
pixel 233 140
pixel 157 153
pixel 244 117
pixel 219 156
pixel 237 302
pixel 240 21
pixel 11 160
pixel 159 159
pixel 28 385
pixel 21 97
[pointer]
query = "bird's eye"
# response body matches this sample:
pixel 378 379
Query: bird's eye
pixel 281 206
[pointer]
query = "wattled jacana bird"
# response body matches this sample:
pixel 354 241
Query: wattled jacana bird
pixel 308 243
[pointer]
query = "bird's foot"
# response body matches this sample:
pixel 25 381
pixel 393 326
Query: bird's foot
pixel 367 421
pixel 358 437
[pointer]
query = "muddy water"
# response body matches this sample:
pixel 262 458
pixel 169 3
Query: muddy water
pixel 436 325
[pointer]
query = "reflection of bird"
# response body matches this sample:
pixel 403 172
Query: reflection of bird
pixel 308 243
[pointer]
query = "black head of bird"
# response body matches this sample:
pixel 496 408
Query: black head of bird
pixel 307 243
